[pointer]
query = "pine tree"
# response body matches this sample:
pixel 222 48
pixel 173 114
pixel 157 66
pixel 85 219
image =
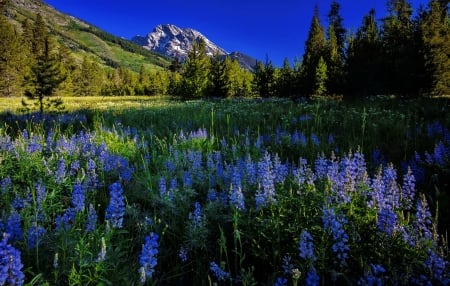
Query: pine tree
pixel 363 63
pixel 314 49
pixel 285 80
pixel 87 78
pixel 435 30
pixel 320 79
pixel 335 54
pixel 335 21
pixel 400 54
pixel 12 58
pixel 195 71
pixel 220 77
pixel 45 77
pixel 264 80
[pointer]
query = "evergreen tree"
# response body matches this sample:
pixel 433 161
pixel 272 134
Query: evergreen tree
pixel 45 77
pixel 335 22
pixel 40 36
pixel 363 63
pixel 264 80
pixel 87 78
pixel 12 58
pixel 220 76
pixel 68 68
pixel 195 71
pixel 320 79
pixel 159 83
pixel 285 80
pixel 334 57
pixel 314 49
pixel 435 30
pixel 400 53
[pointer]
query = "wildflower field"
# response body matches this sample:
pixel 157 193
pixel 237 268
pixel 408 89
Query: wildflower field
pixel 231 192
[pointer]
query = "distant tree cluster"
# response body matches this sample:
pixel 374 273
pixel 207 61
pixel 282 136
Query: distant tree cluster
pixel 400 54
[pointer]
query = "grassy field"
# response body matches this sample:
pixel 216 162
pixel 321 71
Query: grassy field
pixel 155 191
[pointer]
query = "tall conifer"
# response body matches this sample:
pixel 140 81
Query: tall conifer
pixel 314 49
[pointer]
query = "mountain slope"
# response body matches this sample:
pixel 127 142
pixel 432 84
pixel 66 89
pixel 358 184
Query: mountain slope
pixel 175 42
pixel 172 41
pixel 85 39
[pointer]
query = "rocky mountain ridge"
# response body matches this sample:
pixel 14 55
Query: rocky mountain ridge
pixel 175 42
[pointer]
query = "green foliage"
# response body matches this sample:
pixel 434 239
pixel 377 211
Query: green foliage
pixel 320 79
pixel 45 77
pixel 314 49
pixel 264 78
pixel 195 81
pixel 12 59
pixel 435 30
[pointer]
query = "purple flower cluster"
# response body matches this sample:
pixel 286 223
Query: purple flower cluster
pixel 334 225
pixel 116 207
pixel 387 220
pixel 265 195
pixel 147 258
pixel 196 216
pixel 10 264
pixel 78 197
pixel 306 246
pixel 220 274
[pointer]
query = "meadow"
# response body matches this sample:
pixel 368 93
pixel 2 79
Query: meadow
pixel 155 191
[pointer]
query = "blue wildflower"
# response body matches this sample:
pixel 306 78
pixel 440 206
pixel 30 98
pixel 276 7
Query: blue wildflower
pixel 408 189
pixel 335 226
pixel 315 140
pixel 40 193
pixel 60 172
pixel 116 208
pixel 91 219
pixel 437 266
pixel 92 179
pixel 183 254
pixel 281 281
pixel 236 195
pixel 320 167
pixel 13 226
pixel 303 173
pixel 386 220
pixel 10 264
pixel 35 234
pixel 5 185
pixel 147 258
pixel 266 193
pixel 196 216
pixel 306 246
pixel 162 186
pixel 74 167
pixel 288 267
pixel 374 277
pixel 220 274
pixel 424 222
pixel 173 185
pixel 78 197
pixel 280 170
pixel 187 180
pixel 312 279
pixel 66 220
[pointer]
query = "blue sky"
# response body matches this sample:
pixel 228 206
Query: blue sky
pixel 277 28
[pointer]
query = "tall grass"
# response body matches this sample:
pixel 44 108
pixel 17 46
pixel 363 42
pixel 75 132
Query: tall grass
pixel 153 191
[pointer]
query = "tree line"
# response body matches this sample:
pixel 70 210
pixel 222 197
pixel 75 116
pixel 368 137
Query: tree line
pixel 401 54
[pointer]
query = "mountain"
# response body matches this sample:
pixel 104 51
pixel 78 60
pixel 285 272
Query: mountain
pixel 85 39
pixel 175 42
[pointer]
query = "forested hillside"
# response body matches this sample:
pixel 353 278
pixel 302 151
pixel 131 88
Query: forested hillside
pixel 406 53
